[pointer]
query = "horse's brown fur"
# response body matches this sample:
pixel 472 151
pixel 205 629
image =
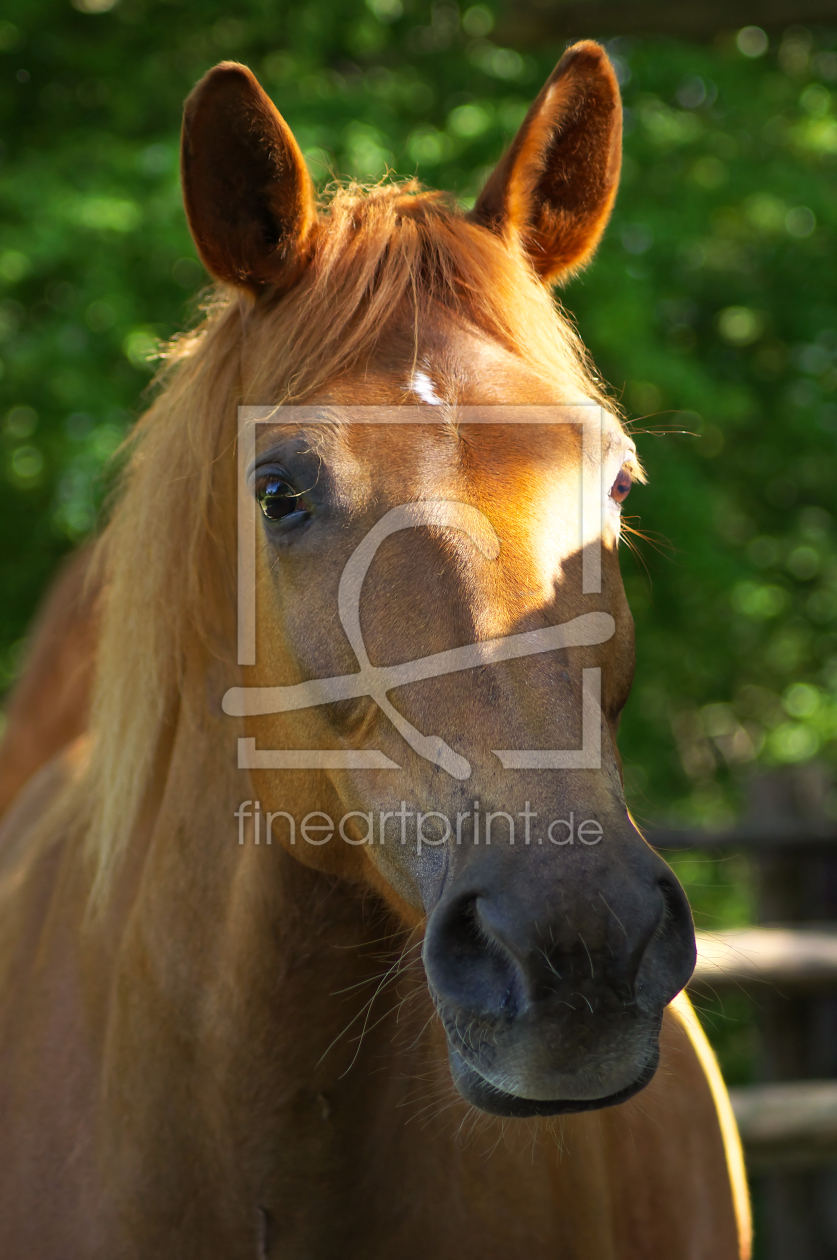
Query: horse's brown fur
pixel 49 708
pixel 193 1058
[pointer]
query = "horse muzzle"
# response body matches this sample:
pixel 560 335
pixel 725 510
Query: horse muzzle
pixel 551 980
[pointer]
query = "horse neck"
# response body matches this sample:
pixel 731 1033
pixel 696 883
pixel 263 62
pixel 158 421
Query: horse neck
pixel 260 963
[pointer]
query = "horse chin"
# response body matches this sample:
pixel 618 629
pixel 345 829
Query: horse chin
pixel 479 1092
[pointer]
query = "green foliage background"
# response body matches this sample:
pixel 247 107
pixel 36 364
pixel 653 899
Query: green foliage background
pixel 712 309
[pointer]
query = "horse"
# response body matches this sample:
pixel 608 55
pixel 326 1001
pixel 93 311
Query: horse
pixel 223 1032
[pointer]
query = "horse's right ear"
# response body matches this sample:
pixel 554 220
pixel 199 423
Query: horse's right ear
pixel 249 198
pixel 554 188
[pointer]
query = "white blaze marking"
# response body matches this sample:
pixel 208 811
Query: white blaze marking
pixel 422 385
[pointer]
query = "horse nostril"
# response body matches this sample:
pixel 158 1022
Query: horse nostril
pixel 669 958
pixel 677 924
pixel 465 963
pixel 677 906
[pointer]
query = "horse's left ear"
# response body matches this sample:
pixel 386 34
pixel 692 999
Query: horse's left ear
pixel 555 186
pixel 248 195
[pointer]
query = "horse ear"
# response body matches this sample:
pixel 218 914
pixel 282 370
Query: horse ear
pixel 248 195
pixel 555 186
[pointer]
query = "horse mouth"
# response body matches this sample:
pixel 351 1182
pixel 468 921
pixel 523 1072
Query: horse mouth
pixel 479 1092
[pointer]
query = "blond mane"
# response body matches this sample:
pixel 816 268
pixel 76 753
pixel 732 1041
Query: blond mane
pixel 167 554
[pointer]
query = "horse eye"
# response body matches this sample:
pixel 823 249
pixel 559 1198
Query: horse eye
pixel 276 498
pixel 621 487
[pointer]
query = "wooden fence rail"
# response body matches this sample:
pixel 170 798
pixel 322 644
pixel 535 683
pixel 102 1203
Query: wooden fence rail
pixel 788 958
pixel 791 1125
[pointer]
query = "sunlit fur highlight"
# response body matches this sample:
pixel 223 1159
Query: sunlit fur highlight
pixel 381 254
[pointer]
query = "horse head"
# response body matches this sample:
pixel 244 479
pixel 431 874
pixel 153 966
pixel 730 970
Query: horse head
pixel 442 641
